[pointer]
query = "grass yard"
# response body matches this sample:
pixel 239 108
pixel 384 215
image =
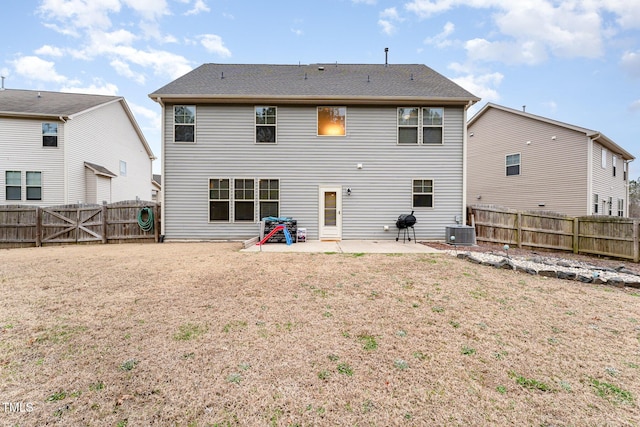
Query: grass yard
pixel 199 334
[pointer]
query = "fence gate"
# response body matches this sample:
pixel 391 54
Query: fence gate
pixel 72 224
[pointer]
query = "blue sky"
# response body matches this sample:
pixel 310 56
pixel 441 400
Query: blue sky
pixel 577 61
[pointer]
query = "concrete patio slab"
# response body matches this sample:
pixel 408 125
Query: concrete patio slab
pixel 345 246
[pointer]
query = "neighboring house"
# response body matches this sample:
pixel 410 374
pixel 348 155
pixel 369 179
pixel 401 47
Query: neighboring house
pixel 62 148
pixel 527 162
pixel 156 191
pixel 342 149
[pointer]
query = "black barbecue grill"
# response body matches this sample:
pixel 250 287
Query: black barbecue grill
pixel 404 223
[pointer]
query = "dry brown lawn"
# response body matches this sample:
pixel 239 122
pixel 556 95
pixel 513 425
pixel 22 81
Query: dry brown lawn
pixel 200 334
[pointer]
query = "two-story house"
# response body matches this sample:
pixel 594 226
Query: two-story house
pixel 528 162
pixel 344 149
pixel 61 148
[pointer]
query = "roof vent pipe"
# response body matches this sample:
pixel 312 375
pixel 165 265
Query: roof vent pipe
pixel 386 56
pixel 2 88
pixel 524 108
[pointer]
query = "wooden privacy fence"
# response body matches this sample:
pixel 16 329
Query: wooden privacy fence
pixel 22 226
pixel 594 235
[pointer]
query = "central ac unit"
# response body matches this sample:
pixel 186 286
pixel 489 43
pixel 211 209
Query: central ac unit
pixel 463 235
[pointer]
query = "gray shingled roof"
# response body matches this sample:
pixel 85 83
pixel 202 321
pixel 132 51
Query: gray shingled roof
pixel 100 170
pixel 344 81
pixel 42 103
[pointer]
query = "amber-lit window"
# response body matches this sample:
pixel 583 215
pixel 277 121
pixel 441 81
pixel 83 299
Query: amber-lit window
pixel 332 121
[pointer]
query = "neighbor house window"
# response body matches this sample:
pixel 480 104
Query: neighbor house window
pixel 123 168
pixel 408 125
pixel 432 124
pixel 184 123
pixel 49 134
pixel 34 185
pixel 513 164
pixel 610 203
pixel 422 193
pixel 614 162
pixel 624 170
pixel 596 203
pixel 243 200
pixel 219 200
pixel 266 124
pixel 269 197
pixel 620 207
pixel 13 185
pixel 332 121
pixel 604 157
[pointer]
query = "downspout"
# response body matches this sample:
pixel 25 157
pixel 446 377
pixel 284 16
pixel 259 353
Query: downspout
pixel 464 163
pixel 162 157
pixel 626 188
pixel 590 175
pixel 65 172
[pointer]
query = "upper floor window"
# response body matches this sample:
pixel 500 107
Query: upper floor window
pixel 420 125
pixel 219 200
pixel 49 134
pixel 332 121
pixel 604 157
pixel 266 124
pixel 614 161
pixel 432 123
pixel 123 168
pixel 513 164
pixel 13 185
pixel 34 185
pixel 184 123
pixel 422 193
pixel 624 170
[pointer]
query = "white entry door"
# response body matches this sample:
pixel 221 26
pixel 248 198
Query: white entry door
pixel 330 213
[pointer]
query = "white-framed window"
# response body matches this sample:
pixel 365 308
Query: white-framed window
pixel 34 185
pixel 49 134
pixel 123 168
pixel 604 158
pixel 610 203
pixel 184 123
pixel 432 125
pixel 266 122
pixel 596 203
pixel 625 165
pixel 269 197
pixel 219 199
pixel 420 125
pixel 614 161
pixel 244 200
pixel 512 164
pixel 13 185
pixel 422 193
pixel 332 121
pixel 620 207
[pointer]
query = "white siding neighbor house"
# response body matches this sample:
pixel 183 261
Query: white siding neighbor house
pixel 526 162
pixel 343 149
pixel 62 148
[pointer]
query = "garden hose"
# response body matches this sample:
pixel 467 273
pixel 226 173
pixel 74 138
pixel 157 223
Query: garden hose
pixel 145 225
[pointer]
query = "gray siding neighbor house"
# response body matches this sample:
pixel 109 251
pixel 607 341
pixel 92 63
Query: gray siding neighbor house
pixel 527 162
pixel 62 148
pixel 343 149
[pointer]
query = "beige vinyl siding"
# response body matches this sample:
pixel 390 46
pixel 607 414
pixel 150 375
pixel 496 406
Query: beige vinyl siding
pixel 302 161
pixel 22 151
pixel 105 136
pixel 604 183
pixel 553 172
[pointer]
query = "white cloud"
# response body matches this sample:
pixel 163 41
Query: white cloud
pixel 149 9
pixel 635 106
pixel 566 29
pixel 34 68
pixel 483 86
pixel 214 44
pixel 198 6
pixel 551 106
pixel 47 50
pixel 297 31
pixel 79 13
pixel 631 63
pixel 388 18
pixel 529 52
pixel 123 69
pixel 441 40
pixel 369 2
pixel 100 89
